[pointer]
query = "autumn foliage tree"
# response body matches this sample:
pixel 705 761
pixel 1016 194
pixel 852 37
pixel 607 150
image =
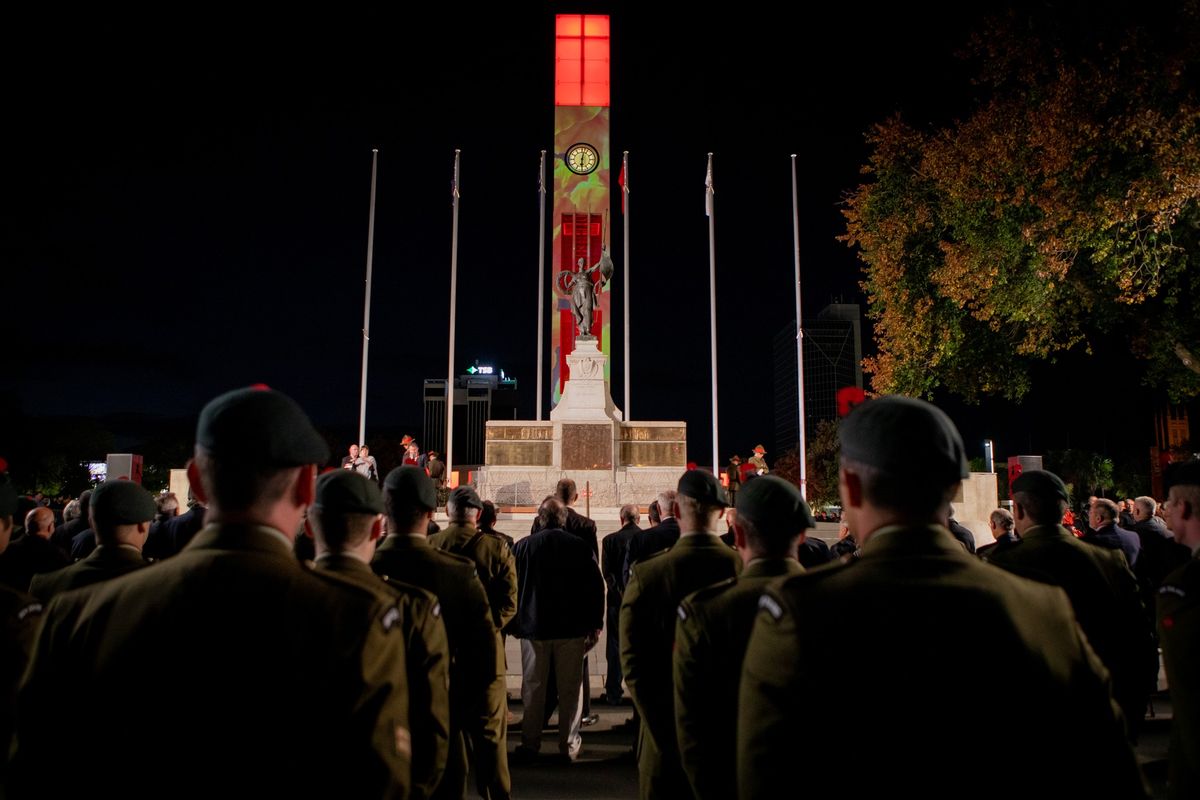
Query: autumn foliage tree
pixel 1063 208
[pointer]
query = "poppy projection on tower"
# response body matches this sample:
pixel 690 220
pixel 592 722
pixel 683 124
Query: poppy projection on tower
pixel 580 181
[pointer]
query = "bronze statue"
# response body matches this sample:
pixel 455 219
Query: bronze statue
pixel 580 290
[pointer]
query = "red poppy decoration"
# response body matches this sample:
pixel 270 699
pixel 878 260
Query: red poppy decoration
pixel 847 398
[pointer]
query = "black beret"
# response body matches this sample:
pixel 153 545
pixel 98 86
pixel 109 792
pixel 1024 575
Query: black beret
pixel 465 497
pixel 8 497
pixel 1182 473
pixel 410 487
pixel 703 486
pixel 1040 483
pixel 775 506
pixel 122 503
pixel 342 491
pixel 261 426
pixel 905 436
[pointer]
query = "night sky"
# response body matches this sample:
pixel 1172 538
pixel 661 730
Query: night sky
pixel 185 204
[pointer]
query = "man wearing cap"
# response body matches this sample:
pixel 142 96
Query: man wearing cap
pixel 713 627
pixel 495 568
pixel 758 462
pixel 1102 589
pixel 1179 629
pixel 227 666
pixel 734 473
pixel 345 521
pixel 19 616
pixel 908 622
pixel 121 514
pixel 656 587
pixel 561 611
pixel 406 555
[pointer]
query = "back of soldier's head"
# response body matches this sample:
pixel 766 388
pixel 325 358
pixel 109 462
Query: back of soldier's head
pixel 773 514
pixel 345 509
pixel 248 444
pixel 1042 496
pixel 409 495
pixel 907 453
pixel 116 505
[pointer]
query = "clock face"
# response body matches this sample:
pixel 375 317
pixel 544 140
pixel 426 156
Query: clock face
pixel 582 159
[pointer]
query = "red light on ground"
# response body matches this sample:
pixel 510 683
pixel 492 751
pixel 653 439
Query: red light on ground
pixel 581 57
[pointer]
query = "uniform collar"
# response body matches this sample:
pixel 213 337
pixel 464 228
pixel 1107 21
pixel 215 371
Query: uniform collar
pixel 771 567
pixel 258 538
pixel 912 540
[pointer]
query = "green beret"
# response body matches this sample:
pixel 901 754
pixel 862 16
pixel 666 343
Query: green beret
pixel 703 486
pixel 465 497
pixel 342 491
pixel 120 502
pixel 261 426
pixel 1040 483
pixel 905 436
pixel 1183 473
pixel 410 487
pixel 774 506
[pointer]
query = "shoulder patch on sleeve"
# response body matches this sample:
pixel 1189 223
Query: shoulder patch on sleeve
pixel 437 610
pixel 391 618
pixel 682 612
pixel 771 606
pixel 28 610
pixel 1169 589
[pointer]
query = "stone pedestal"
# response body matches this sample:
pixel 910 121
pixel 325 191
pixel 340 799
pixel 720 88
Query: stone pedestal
pixel 586 440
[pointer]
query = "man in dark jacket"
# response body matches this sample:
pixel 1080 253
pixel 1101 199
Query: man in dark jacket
pixel 612 566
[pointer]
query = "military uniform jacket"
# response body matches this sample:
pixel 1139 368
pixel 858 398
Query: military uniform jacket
pixel 907 623
pixel 710 642
pixel 642 545
pixel 648 610
pixel 1179 633
pixel 105 562
pixel 1104 594
pixel 465 612
pixel 416 613
pixel 19 615
pixel 493 564
pixel 228 667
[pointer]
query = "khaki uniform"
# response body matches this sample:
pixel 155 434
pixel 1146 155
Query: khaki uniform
pixel 710 642
pixel 19 616
pixel 227 665
pixel 759 463
pixel 1179 633
pixel 473 642
pixel 908 623
pixel 656 587
pixel 427 658
pixel 496 569
pixel 104 563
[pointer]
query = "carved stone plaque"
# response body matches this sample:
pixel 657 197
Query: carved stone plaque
pixel 587 447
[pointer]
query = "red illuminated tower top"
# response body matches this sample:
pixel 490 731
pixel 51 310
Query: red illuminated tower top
pixel 581 45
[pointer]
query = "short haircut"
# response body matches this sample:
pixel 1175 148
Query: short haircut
pixel 666 498
pixel 771 544
pixel 458 510
pixel 31 520
pixel 697 508
pixel 487 515
pixel 1041 509
pixel 913 493
pixel 167 502
pixel 1148 504
pixel 235 485
pixel 629 513
pixel 654 512
pixel 1002 518
pixel 552 513
pixel 401 518
pixel 341 531
pixel 71 511
pixel 1106 507
pixel 566 491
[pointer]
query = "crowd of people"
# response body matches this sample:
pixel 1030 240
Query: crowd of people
pixel 209 657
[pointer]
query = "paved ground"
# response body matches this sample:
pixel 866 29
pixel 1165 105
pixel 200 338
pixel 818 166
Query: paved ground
pixel 606 769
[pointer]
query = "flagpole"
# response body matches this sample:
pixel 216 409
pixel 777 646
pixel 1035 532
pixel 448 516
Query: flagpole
pixel 366 329
pixel 453 304
pixel 625 214
pixel 710 209
pixel 541 303
pixel 799 336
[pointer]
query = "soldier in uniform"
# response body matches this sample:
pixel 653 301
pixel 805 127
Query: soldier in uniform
pixel 735 478
pixel 714 626
pixel 1179 630
pixel 656 587
pixel 345 521
pixel 227 667
pixel 19 615
pixel 121 514
pixel 907 621
pixel 496 569
pixel 758 462
pixel 406 555
pixel 1102 589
